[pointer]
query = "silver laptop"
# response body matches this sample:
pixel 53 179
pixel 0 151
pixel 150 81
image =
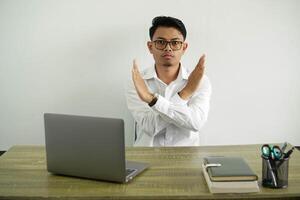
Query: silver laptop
pixel 88 147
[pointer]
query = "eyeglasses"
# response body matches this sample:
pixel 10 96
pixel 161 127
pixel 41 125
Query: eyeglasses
pixel 162 44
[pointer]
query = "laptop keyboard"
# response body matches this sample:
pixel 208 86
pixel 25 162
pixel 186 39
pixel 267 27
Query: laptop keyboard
pixel 129 171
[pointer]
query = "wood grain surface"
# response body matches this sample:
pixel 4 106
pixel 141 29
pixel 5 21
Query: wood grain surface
pixel 175 173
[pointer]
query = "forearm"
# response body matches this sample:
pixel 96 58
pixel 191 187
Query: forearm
pixel 149 120
pixel 191 113
pixel 191 117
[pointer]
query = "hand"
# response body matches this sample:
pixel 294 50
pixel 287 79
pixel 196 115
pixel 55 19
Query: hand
pixel 193 80
pixel 140 84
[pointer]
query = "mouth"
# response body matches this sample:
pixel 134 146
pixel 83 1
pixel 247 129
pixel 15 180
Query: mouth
pixel 167 56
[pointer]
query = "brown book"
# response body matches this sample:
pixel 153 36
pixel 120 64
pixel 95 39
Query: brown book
pixel 230 169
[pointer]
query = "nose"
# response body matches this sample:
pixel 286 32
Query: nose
pixel 168 47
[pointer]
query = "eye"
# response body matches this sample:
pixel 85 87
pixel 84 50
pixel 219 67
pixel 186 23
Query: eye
pixel 160 42
pixel 175 43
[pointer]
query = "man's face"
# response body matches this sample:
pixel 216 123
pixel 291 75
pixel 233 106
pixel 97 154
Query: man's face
pixel 167 54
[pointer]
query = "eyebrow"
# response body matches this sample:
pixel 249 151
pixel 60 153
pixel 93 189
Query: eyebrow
pixel 162 38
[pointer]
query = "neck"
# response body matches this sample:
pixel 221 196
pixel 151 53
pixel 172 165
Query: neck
pixel 167 74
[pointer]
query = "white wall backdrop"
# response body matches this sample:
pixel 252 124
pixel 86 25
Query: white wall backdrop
pixel 75 57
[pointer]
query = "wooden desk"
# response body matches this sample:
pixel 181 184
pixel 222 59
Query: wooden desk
pixel 175 173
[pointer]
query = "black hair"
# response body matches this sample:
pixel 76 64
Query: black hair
pixel 165 21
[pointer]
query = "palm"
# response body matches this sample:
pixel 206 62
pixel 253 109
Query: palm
pixel 140 84
pixel 193 80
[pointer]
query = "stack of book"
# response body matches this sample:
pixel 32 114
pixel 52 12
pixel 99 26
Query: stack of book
pixel 229 175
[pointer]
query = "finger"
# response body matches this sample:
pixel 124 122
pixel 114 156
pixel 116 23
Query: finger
pixel 133 76
pixel 135 65
pixel 135 70
pixel 201 61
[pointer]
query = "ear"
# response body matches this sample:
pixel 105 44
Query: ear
pixel 185 46
pixel 150 46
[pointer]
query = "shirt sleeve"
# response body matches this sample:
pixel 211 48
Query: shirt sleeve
pixel 149 120
pixel 190 114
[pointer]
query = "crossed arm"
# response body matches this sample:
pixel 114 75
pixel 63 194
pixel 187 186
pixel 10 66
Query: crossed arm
pixel 190 88
pixel 186 109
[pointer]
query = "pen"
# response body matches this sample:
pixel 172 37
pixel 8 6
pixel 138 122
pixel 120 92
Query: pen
pixel 287 154
pixel 271 171
pixel 283 147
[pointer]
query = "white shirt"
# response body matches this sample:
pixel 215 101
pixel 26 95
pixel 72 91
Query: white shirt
pixel 172 121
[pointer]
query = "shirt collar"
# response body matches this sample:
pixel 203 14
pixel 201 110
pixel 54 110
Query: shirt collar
pixel 151 73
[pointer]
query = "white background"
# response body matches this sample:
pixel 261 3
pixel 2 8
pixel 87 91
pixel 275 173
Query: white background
pixel 75 57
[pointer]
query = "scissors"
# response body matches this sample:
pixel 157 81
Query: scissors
pixel 271 152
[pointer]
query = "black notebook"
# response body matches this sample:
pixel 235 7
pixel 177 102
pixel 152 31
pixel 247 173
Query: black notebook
pixel 231 169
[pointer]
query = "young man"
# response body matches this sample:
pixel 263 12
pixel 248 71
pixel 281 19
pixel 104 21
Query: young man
pixel 169 104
